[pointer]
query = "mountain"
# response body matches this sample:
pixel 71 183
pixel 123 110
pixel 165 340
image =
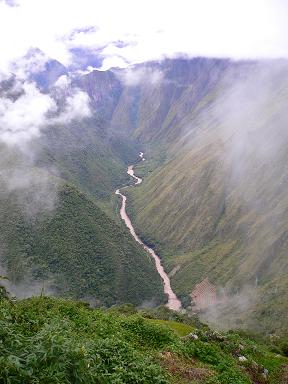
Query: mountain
pixel 76 252
pixel 213 202
pixel 83 58
pixel 214 199
pixel 59 231
pixel 44 70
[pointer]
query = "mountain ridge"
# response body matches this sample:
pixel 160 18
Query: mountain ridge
pixel 213 131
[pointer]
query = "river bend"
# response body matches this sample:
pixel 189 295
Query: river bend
pixel 173 302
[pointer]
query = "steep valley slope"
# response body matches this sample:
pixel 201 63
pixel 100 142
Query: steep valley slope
pixel 213 202
pixel 59 231
pixel 214 205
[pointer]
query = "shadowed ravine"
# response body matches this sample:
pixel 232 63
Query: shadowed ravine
pixel 173 302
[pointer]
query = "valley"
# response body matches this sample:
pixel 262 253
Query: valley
pixel 212 206
pixel 214 183
pixel 173 302
pixel 143 192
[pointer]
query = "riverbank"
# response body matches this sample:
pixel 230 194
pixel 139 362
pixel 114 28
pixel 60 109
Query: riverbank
pixel 173 302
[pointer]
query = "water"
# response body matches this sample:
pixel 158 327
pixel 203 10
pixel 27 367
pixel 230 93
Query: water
pixel 173 302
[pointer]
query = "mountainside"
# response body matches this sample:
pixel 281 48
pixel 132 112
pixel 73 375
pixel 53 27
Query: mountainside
pixel 74 251
pixel 59 231
pixel 77 251
pixel 86 155
pixel 52 340
pixel 215 207
pixel 213 202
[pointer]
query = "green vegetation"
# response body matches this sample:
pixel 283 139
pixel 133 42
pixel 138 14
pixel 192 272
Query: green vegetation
pixel 77 251
pixel 179 328
pixel 216 206
pixel 80 248
pixel 213 202
pixel 49 340
pixel 88 157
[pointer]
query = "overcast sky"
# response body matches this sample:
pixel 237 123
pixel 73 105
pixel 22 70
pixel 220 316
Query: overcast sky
pixel 129 31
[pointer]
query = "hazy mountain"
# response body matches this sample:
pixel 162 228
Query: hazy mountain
pixel 43 70
pixel 83 58
pixel 214 201
pixel 59 231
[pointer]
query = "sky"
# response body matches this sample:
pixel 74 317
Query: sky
pixel 130 31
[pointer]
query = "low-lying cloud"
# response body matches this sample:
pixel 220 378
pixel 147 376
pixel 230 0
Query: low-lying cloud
pixel 242 127
pixel 76 108
pixel 134 76
pixel 33 189
pixel 24 116
pixel 25 113
pixel 22 119
pixel 228 314
pixel 26 288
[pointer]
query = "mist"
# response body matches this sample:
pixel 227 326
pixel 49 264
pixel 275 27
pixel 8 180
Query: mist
pixel 27 287
pixel 26 113
pixel 231 312
pixel 138 75
pixel 245 125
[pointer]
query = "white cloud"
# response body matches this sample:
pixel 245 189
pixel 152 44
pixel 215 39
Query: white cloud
pixel 238 29
pixel 63 82
pixel 134 76
pixel 33 62
pixel 24 113
pixel 76 107
pixel 22 119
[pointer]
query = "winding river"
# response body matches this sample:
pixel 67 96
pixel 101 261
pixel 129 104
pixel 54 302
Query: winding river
pixel 173 302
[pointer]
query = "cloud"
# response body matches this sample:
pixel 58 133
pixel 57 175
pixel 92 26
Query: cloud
pixel 34 189
pixel 24 113
pixel 63 82
pixel 76 107
pixel 11 3
pixel 29 287
pixel 22 119
pixel 243 126
pixel 229 313
pixel 33 62
pixel 147 30
pixel 133 76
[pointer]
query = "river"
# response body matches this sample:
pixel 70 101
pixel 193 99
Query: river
pixel 173 302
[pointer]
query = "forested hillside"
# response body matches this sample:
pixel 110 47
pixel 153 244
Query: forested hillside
pixel 60 231
pixel 213 202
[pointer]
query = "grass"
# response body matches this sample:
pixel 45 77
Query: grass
pixel 49 340
pixel 179 328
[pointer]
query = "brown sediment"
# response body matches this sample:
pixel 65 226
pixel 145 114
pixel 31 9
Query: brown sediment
pixel 173 302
